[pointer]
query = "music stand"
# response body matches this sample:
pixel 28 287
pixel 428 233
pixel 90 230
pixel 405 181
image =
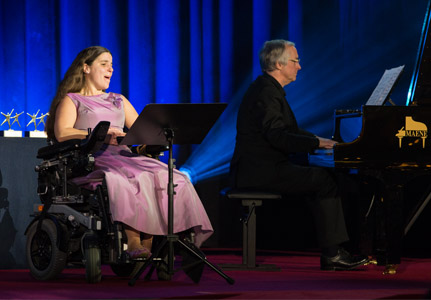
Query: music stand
pixel 158 124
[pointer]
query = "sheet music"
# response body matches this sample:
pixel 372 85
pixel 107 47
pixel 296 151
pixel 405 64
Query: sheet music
pixel 384 87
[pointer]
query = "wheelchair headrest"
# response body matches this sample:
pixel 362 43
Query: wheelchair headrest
pixel 89 145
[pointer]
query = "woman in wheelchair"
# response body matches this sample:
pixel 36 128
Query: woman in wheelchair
pixel 136 184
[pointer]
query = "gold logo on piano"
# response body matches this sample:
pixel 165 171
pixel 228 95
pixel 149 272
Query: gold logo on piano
pixel 413 129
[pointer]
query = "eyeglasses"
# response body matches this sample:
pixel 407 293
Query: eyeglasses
pixel 295 60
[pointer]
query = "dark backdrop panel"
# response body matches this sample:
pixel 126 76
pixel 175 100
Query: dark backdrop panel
pixel 18 184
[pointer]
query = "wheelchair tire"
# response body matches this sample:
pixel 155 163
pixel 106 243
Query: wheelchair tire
pixel 93 265
pixel 126 270
pixel 44 258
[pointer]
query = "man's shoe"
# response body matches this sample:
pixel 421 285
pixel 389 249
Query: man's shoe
pixel 342 261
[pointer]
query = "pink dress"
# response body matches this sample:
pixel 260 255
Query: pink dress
pixel 137 185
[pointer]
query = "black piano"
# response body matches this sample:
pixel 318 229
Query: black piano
pixel 393 146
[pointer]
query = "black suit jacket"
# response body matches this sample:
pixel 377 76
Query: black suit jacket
pixel 267 133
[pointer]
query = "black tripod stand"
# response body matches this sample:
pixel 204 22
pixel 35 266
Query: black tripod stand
pixel 156 122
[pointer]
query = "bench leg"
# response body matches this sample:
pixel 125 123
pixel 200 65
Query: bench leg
pixel 249 242
pixel 249 238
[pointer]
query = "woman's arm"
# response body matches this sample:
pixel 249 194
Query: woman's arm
pixel 65 120
pixel 130 112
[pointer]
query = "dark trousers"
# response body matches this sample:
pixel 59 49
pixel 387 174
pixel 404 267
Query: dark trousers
pixel 320 190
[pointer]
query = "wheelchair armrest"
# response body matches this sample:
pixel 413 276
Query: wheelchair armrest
pixel 58 148
pixel 89 145
pixel 96 139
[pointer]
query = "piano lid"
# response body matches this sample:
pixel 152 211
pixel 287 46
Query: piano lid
pixel 420 86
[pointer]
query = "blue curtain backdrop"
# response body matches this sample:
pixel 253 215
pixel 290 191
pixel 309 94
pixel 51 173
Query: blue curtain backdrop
pixel 204 51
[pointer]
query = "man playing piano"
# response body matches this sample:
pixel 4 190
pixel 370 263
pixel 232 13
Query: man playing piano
pixel 267 134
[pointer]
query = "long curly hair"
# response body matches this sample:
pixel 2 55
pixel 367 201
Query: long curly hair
pixel 73 82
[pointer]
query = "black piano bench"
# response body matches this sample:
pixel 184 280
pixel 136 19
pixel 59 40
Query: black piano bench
pixel 250 199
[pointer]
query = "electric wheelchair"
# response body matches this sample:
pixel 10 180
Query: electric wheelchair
pixel 73 225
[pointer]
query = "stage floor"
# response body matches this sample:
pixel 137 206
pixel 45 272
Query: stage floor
pixel 298 278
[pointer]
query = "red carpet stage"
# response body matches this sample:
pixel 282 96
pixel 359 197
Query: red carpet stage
pixel 299 278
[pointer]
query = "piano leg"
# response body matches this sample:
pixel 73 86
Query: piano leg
pixel 389 223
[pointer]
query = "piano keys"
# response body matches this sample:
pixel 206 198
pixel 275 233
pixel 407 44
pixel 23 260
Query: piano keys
pixel 394 137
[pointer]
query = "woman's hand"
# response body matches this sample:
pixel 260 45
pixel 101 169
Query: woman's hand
pixel 111 137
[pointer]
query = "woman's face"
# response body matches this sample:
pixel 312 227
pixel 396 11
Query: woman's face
pixel 98 75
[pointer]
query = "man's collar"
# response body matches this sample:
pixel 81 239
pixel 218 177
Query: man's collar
pixel 276 83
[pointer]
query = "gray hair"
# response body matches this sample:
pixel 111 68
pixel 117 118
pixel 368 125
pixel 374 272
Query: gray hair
pixel 272 52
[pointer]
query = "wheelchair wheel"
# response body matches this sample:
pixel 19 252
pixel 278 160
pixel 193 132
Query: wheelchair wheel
pixel 93 269
pixel 44 259
pixel 126 270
